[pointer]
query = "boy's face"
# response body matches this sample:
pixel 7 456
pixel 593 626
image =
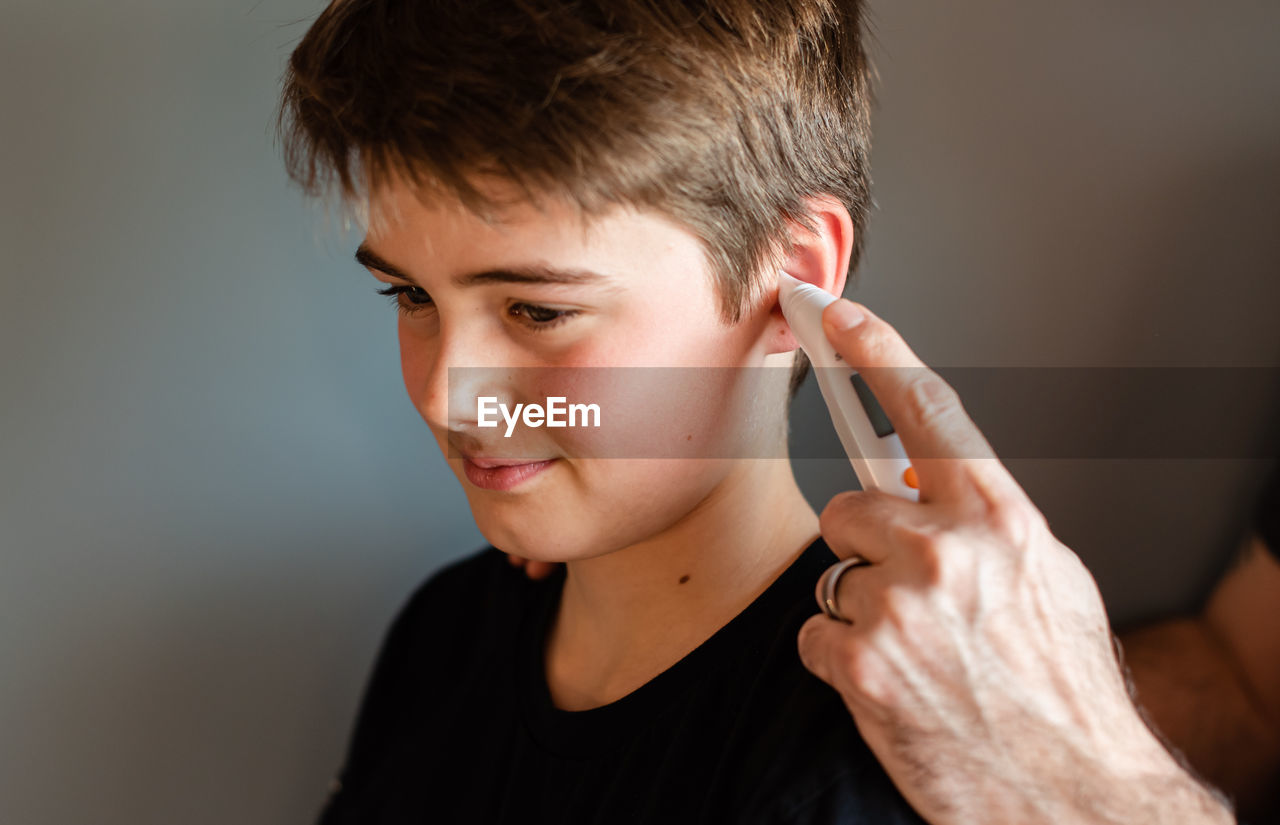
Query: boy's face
pixel 652 305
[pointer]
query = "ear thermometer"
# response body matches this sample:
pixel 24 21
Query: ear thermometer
pixel 873 447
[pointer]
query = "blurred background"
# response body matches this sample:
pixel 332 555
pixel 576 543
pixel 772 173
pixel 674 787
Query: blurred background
pixel 215 494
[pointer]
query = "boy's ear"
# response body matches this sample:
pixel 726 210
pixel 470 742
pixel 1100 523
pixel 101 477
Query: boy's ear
pixel 819 257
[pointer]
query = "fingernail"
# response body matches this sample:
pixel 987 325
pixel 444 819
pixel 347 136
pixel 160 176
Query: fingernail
pixel 846 315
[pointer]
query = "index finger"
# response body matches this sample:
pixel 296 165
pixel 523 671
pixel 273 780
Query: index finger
pixel 950 454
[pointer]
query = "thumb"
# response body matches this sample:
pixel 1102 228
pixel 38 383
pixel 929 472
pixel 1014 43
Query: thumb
pixel 819 644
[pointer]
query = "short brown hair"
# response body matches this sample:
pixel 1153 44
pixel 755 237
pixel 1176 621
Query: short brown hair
pixel 722 114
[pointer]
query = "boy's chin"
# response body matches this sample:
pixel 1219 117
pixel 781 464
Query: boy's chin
pixel 539 543
pixel 554 555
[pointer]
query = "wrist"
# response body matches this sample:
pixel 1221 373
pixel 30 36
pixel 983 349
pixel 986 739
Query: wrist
pixel 1154 789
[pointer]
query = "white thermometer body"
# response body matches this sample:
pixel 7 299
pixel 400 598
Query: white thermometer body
pixel 874 449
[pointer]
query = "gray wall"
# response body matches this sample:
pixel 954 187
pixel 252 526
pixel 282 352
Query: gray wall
pixel 215 493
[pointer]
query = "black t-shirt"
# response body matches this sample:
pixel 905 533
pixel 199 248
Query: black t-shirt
pixel 1266 511
pixel 457 724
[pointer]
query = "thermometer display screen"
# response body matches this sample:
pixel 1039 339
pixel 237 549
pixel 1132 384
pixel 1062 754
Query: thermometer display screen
pixel 879 421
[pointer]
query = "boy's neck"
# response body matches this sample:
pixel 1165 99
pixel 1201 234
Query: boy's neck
pixel 627 616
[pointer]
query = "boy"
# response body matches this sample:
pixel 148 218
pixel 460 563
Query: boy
pixel 600 184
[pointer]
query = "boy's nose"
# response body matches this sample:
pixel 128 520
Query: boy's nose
pixel 462 372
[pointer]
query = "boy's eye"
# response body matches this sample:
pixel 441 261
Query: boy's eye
pixel 415 300
pixel 539 317
pixel 412 300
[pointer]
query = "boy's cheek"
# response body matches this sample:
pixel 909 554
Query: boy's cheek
pixel 594 507
pixel 591 412
pixel 654 412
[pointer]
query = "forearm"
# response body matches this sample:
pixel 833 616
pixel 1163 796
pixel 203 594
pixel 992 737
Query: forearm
pixel 1159 793
pixel 1118 774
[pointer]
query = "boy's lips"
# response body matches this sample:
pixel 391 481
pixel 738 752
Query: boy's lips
pixel 493 474
pixel 490 463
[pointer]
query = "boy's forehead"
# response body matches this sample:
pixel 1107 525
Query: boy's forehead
pixel 406 222
pixel 399 207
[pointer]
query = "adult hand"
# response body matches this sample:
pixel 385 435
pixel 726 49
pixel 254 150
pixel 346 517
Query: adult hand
pixel 533 568
pixel 979 663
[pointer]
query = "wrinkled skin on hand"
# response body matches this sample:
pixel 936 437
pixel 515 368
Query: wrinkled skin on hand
pixel 978 663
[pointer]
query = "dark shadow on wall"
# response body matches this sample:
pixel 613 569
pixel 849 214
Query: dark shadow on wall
pixel 1201 281
pixel 1206 276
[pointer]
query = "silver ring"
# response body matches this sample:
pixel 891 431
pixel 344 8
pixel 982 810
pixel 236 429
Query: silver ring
pixel 831 580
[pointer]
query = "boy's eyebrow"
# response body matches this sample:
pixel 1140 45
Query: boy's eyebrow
pixel 532 274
